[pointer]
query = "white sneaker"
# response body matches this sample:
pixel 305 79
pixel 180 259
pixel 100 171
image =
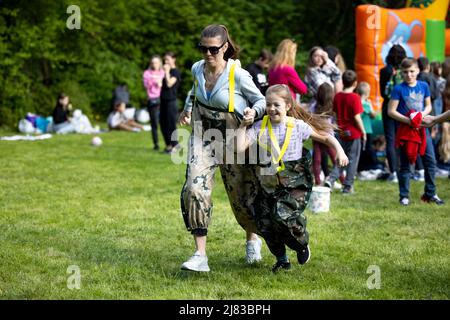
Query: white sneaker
pixel 376 172
pixel 197 263
pixel 253 251
pixel 327 184
pixel 404 201
pixel 440 173
pixel 366 175
pixel 176 148
pixel 322 176
pixel 147 128
pixel 393 178
pixel 421 174
pixel 337 185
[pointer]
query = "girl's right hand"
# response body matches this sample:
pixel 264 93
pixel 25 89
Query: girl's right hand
pixel 185 118
pixel 341 159
pixel 249 117
pixel 428 121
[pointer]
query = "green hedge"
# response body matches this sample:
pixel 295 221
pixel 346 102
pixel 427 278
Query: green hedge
pixel 40 56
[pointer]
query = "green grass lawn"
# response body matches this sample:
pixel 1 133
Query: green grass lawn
pixel 113 211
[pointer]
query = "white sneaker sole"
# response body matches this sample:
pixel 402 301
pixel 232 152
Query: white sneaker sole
pixel 202 269
pixel 309 257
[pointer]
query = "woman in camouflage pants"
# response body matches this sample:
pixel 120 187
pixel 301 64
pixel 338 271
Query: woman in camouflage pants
pixel 214 110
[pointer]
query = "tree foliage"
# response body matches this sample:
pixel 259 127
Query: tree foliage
pixel 40 56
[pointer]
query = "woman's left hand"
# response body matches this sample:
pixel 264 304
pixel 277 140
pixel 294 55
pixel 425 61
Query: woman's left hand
pixel 249 116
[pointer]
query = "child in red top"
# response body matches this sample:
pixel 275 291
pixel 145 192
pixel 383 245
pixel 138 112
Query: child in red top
pixel 348 108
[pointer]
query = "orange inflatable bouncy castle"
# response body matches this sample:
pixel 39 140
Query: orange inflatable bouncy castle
pixel 377 30
pixel 447 42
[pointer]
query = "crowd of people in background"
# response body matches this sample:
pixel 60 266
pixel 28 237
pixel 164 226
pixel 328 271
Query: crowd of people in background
pixel 378 156
pixel 323 91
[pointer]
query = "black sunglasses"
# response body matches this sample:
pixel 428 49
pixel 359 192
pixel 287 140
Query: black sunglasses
pixel 212 50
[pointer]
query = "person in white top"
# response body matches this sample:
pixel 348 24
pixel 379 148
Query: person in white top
pixel 285 175
pixel 118 120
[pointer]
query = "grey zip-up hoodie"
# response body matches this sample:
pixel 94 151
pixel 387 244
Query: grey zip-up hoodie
pixel 246 94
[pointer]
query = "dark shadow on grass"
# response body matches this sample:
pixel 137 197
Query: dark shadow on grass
pixel 189 275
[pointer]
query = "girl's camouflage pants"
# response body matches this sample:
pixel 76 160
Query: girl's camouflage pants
pixel 278 208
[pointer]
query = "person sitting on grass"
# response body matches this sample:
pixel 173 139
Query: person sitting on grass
pixel 284 173
pixel 117 120
pixel 61 115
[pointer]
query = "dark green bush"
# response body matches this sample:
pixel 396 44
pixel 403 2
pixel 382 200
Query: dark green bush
pixel 40 56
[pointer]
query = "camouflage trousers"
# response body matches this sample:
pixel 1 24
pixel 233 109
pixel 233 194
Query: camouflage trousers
pixel 206 154
pixel 278 209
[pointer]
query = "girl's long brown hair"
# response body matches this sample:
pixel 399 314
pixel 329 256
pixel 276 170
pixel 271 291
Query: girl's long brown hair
pixel 318 122
pixel 434 68
pixel 446 68
pixel 62 95
pixel 324 99
pixel 155 56
pixel 310 60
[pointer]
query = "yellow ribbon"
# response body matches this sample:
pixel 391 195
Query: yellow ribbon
pixel 290 126
pixel 231 89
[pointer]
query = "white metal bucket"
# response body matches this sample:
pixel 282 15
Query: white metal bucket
pixel 320 199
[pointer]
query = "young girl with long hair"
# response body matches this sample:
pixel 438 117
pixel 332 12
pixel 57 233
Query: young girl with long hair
pixel 284 171
pixel 153 81
pixel 320 70
pixel 324 107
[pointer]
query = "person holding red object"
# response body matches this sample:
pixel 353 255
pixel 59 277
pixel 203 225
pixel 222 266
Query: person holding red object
pixel 412 138
pixel 413 95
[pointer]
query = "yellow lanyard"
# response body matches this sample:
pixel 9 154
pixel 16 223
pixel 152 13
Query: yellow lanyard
pixel 290 126
pixel 195 91
pixel 230 91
